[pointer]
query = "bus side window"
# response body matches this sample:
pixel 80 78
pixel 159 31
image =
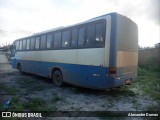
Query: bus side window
pixel 49 40
pixel 43 42
pixel 17 45
pixel 20 45
pixel 90 34
pixel 99 40
pixel 32 43
pixel 37 42
pixel 24 44
pixel 28 44
pixel 81 36
pixel 57 40
pixel 66 38
pixel 74 37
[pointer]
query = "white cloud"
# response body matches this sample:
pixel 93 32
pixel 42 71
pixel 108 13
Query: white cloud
pixel 149 33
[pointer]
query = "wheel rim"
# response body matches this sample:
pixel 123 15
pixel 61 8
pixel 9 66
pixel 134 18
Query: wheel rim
pixel 58 79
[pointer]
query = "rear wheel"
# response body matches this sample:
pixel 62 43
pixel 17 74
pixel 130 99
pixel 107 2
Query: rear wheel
pixel 57 78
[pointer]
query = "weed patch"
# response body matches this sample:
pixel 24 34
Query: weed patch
pixel 30 84
pixel 25 81
pixel 149 79
pixel 127 91
pixel 75 90
pixel 56 98
pixel 8 90
pixel 36 104
pixel 16 105
pixel 152 108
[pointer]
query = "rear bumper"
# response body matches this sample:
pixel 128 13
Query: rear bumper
pixel 122 80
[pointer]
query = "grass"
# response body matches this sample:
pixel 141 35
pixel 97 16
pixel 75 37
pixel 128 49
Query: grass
pixel 8 90
pixel 39 104
pixel 3 75
pixel 16 105
pixel 149 82
pixel 30 84
pixel 126 91
pixel 36 87
pixel 36 104
pixel 25 82
pixel 152 108
pixel 75 90
pixel 56 98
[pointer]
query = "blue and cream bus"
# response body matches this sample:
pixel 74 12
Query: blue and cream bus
pixel 100 53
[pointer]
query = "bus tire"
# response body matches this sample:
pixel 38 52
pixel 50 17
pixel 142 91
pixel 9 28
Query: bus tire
pixel 57 78
pixel 19 67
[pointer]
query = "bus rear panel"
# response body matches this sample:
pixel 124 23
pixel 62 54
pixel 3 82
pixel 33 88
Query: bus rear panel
pixel 125 53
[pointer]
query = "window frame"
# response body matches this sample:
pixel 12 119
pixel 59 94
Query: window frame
pixel 39 42
pixel 40 47
pixel 74 28
pixel 24 47
pixel 31 39
pixel 20 45
pixel 94 25
pixel 51 45
pixel 17 46
pixel 84 42
pixel 70 29
pixel 28 47
pixel 59 47
pixel 69 41
pixel 104 33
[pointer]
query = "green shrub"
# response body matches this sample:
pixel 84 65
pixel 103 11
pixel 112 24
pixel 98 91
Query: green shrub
pixel 153 64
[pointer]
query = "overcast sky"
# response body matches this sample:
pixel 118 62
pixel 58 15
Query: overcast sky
pixel 20 18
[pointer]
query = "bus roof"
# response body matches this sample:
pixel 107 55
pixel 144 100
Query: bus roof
pixel 61 27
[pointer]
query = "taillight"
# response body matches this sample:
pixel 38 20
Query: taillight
pixel 112 70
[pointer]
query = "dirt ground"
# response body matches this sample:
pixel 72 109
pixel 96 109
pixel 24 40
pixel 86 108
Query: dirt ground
pixel 28 90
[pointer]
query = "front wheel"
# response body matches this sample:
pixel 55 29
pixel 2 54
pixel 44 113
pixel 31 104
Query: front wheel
pixel 20 68
pixel 57 78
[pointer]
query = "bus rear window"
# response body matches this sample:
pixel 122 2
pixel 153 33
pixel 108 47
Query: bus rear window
pixel 99 34
pixel 90 34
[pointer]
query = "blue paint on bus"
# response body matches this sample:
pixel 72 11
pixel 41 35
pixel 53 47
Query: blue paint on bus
pixel 113 41
pixel 80 75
